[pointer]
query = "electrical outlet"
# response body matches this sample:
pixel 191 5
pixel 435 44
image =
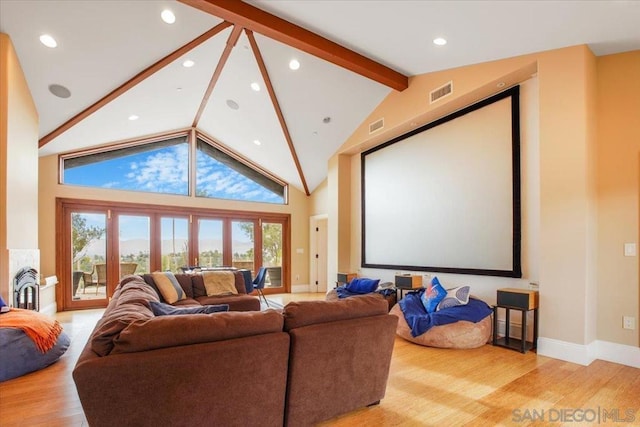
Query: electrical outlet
pixel 629 322
pixel 629 249
pixel 297 277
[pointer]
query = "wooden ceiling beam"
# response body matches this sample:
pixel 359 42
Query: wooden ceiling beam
pixel 259 21
pixel 231 42
pixel 276 106
pixel 138 78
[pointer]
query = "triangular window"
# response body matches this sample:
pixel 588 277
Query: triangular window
pixel 156 167
pixel 220 175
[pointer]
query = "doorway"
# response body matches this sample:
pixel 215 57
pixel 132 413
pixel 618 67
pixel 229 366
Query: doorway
pixel 318 280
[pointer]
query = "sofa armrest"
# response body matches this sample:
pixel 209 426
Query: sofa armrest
pixel 337 367
pixel 188 385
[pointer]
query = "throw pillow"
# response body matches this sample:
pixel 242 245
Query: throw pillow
pixel 360 285
pixel 3 307
pixel 162 309
pixel 168 286
pixel 455 296
pixel 432 295
pixel 219 283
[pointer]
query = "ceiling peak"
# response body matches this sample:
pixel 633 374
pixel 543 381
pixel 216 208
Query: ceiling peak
pixel 259 21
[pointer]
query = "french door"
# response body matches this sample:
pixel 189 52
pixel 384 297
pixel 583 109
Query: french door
pixel 101 242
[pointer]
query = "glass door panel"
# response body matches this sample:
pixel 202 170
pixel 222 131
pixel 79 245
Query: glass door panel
pixel 174 232
pixel 272 253
pixel 210 243
pixel 134 244
pixel 242 246
pixel 88 256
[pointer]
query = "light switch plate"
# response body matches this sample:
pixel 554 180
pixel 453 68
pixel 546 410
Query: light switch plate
pixel 629 249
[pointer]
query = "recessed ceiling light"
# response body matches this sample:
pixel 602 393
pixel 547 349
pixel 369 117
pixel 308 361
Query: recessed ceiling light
pixel 168 16
pixel 133 117
pixel 255 141
pixel 48 41
pixel 232 104
pixel 59 91
pixel 439 41
pixel 294 64
pixel 255 86
pixel 188 63
pixel 501 84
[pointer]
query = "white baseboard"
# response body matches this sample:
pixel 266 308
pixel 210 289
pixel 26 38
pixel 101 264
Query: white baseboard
pixel 50 309
pixel 585 354
pixel 571 352
pixel 618 353
pixel 300 288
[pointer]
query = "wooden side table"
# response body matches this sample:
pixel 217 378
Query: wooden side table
pixel 523 300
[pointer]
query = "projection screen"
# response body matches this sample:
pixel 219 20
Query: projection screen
pixel 446 196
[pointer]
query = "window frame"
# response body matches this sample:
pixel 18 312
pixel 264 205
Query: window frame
pixel 156 212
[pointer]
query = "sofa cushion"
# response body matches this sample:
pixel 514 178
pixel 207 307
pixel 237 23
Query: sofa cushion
pixel 168 285
pixel 303 313
pixel 173 331
pixel 236 302
pixel 162 309
pixel 131 304
pixel 185 283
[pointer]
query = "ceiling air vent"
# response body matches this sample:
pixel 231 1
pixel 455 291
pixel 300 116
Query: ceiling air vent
pixel 375 126
pixel 441 92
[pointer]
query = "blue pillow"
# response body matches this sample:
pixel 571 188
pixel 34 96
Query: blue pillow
pixel 432 295
pixel 360 285
pixel 162 309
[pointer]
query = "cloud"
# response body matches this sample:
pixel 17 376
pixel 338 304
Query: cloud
pixel 219 181
pixel 164 171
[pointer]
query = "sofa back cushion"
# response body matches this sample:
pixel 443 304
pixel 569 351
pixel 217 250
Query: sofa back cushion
pixel 172 331
pixel 303 313
pixel 130 303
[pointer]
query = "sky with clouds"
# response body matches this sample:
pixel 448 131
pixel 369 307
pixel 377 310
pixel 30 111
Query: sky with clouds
pixel 165 170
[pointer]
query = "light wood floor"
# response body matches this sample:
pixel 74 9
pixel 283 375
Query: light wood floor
pixel 427 387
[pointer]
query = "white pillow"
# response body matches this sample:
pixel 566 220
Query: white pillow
pixel 455 296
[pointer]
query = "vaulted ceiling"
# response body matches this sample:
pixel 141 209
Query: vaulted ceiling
pixel 119 59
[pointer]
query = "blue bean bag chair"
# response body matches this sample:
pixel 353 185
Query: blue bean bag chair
pixel 19 353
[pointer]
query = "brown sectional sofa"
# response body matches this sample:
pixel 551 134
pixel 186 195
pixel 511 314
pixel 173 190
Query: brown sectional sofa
pixel 193 286
pixel 312 362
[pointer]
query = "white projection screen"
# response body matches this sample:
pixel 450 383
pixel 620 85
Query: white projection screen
pixel 446 197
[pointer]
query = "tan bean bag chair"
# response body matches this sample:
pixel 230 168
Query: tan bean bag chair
pixel 461 334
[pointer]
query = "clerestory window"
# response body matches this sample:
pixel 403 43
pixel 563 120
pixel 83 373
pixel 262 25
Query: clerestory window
pixel 162 166
pixel 221 176
pixel 157 167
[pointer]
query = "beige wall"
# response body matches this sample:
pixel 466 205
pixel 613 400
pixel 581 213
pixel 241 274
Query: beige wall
pixel 318 201
pixel 19 133
pixel 49 190
pixel 618 162
pixel 569 226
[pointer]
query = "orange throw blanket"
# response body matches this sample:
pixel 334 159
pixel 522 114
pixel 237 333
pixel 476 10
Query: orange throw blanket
pixel 43 330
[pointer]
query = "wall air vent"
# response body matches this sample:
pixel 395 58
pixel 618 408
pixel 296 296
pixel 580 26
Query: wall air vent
pixel 376 126
pixel 441 92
